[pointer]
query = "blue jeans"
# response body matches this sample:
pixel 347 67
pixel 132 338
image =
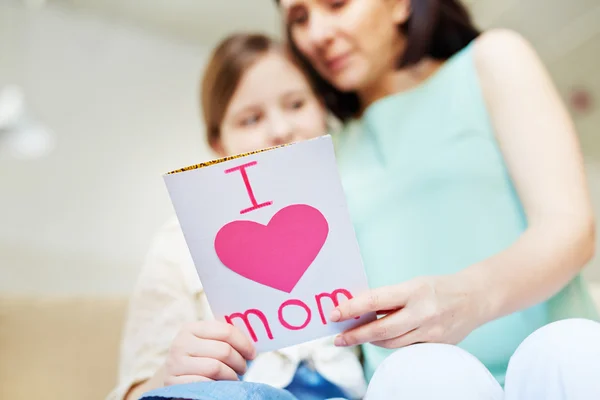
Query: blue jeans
pixel 306 385
pixel 220 390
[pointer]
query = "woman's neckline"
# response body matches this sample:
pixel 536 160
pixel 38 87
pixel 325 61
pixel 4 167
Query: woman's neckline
pixel 421 86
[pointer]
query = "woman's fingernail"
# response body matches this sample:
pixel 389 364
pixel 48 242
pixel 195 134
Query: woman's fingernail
pixel 335 316
pixel 339 341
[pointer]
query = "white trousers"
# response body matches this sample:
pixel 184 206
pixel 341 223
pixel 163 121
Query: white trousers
pixel 560 361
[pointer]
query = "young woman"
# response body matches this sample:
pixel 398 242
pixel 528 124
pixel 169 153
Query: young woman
pixel 465 181
pixel 253 97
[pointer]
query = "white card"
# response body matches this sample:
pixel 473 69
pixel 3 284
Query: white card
pixel 272 241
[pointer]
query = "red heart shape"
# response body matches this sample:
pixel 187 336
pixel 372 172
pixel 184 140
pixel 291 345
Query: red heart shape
pixel 277 254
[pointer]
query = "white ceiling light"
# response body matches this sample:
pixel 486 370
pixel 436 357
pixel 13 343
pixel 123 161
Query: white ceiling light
pixel 21 136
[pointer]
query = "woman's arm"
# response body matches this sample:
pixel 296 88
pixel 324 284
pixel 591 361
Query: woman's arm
pixel 542 153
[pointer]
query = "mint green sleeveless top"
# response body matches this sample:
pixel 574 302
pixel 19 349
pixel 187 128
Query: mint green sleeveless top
pixel 429 194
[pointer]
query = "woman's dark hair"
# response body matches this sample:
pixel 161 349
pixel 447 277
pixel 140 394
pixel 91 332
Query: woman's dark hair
pixel 436 28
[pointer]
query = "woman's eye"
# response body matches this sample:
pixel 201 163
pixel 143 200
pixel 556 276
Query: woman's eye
pixel 335 4
pixel 298 17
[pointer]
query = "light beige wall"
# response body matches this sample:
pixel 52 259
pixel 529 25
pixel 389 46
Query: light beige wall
pixel 124 106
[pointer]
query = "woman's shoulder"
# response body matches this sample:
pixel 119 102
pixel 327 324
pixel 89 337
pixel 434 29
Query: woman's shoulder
pixel 497 50
pixel 499 40
pixel 506 65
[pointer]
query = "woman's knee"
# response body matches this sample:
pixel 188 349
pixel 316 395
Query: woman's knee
pixel 563 356
pixel 432 371
pixel 560 340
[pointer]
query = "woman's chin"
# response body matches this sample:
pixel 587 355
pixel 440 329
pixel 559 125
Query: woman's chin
pixel 346 81
pixel 345 84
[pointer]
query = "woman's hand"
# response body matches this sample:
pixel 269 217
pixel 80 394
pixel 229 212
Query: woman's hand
pixel 207 351
pixel 429 309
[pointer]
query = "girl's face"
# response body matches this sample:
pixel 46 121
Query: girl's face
pixel 351 43
pixel 272 105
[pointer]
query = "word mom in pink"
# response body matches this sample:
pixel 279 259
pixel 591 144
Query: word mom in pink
pixel 260 316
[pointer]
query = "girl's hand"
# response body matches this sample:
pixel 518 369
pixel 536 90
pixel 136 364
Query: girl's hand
pixel 207 351
pixel 429 309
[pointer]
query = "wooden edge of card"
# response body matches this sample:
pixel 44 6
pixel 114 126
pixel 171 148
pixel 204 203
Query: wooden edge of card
pixel 220 160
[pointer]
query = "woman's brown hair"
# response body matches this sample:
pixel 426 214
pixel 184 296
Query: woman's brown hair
pixel 226 67
pixel 436 28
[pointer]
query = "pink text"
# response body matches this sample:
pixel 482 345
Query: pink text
pixel 264 321
pixel 255 204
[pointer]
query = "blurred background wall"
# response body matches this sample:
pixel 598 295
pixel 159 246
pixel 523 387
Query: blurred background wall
pixel 116 82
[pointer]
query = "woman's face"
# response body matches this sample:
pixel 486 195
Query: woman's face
pixel 272 105
pixel 351 43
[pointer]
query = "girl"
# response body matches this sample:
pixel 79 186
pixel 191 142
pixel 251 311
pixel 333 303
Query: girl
pixel 466 185
pixel 252 97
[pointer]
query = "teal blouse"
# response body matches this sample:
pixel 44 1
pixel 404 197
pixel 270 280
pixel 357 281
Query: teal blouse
pixel 429 194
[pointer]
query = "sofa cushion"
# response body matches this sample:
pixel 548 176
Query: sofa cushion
pixel 59 348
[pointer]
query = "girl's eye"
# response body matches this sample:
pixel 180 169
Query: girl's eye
pixel 250 120
pixel 297 104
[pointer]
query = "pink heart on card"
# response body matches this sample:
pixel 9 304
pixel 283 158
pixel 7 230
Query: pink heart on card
pixel 277 254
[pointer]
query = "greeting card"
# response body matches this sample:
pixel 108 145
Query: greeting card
pixel 272 241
